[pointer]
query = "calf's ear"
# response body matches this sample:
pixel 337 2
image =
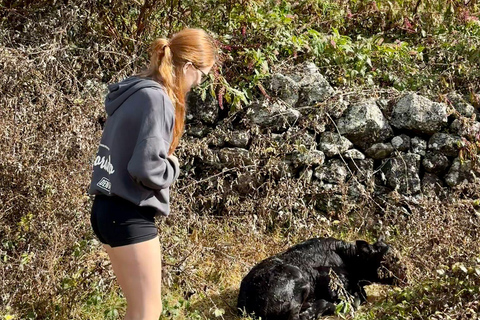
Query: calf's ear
pixel 381 247
pixel 384 248
pixel 363 246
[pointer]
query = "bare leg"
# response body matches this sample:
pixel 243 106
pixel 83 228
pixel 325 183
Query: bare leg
pixel 138 268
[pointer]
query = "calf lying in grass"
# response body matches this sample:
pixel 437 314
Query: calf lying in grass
pixel 307 280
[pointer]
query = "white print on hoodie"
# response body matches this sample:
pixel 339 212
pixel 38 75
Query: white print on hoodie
pixel 104 163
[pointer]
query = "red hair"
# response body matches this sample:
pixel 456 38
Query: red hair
pixel 167 58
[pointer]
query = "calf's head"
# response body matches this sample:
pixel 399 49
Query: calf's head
pixel 393 269
pixel 380 263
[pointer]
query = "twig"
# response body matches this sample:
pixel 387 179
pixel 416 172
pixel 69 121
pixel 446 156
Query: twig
pixel 215 175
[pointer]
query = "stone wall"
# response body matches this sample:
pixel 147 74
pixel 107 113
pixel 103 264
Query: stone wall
pixel 345 143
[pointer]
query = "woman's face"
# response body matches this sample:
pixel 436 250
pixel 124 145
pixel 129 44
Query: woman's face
pixel 194 76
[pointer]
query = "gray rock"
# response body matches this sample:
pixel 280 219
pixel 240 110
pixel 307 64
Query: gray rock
pixel 435 162
pixel 419 146
pixel 284 88
pixel 329 201
pixel 329 186
pixel 272 115
pixel 334 198
pixel 402 173
pixel 467 128
pixel 475 99
pixel 315 93
pixel 300 138
pixel 444 143
pixel 235 157
pixel 205 111
pixel 419 114
pixel 248 182
pixel 353 154
pixel 362 169
pixel 216 138
pixel 386 107
pixel 334 171
pixel 278 136
pixel 362 166
pixel 210 157
pixel 280 169
pixel 314 88
pixel 337 107
pixel 432 185
pixel 306 174
pixel 308 158
pixel 462 106
pixel 356 191
pixel 332 143
pixel 197 130
pixel 379 151
pixel 401 142
pixel 238 139
pixel 461 172
pixel 364 124
pixel 382 193
pixel 315 121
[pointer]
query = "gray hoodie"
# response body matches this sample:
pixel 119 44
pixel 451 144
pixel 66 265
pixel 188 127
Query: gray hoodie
pixel 132 160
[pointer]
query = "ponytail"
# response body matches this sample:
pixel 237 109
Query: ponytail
pixel 167 59
pixel 161 61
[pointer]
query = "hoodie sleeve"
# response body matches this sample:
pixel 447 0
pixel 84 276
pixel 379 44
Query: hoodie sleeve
pixel 150 164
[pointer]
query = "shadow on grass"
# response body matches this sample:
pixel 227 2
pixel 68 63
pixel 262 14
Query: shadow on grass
pixel 218 306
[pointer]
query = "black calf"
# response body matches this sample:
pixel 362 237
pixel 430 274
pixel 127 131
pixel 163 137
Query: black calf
pixel 299 284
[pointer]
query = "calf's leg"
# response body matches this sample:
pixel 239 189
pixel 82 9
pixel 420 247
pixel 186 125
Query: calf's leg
pixel 317 308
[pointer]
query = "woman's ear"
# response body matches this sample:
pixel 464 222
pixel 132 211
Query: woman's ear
pixel 185 67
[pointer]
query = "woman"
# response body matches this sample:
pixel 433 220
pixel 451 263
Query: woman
pixel 135 165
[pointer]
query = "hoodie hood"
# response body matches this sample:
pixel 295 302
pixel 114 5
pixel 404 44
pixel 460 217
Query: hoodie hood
pixel 119 92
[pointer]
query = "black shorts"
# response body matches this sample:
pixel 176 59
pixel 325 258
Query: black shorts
pixel 119 222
